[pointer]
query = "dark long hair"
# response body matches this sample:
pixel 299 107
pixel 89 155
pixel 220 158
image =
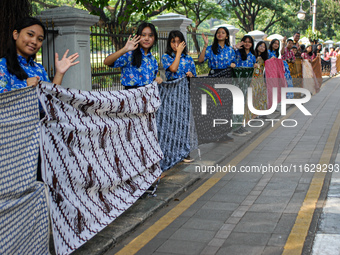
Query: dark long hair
pixel 271 47
pixel 173 34
pixel 137 55
pixel 311 52
pixel 12 56
pixel 263 55
pixel 315 50
pixel 243 51
pixel 214 46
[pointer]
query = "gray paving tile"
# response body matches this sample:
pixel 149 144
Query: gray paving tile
pixel 285 224
pixel 278 240
pixel 197 223
pixel 274 208
pixel 217 215
pixel 272 250
pixel 196 236
pixel 182 247
pixel 256 239
pixel 240 249
pixel 220 206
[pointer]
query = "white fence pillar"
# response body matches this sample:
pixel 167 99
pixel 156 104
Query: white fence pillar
pixel 73 26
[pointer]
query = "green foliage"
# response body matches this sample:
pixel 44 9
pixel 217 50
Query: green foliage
pixel 312 36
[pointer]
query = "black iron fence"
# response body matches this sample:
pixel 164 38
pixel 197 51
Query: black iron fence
pixel 105 42
pixel 46 54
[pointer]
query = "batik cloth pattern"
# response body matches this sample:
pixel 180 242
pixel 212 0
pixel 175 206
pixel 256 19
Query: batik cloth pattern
pixel 309 80
pixel 288 78
pixel 242 77
pixel 218 106
pixel 296 73
pixel 259 91
pixel 316 64
pixel 99 155
pixel 275 78
pixel 218 73
pixel 23 204
pixel 338 63
pixel 326 67
pixel 176 135
pixel 333 66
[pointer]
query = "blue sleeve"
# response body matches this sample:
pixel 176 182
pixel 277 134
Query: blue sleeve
pixel 192 66
pixel 208 53
pixel 167 61
pixel 232 56
pixel 123 60
pixel 4 77
pixel 238 58
pixel 156 67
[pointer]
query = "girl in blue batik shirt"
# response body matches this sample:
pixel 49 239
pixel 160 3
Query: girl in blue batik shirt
pixel 176 62
pixel 139 67
pixel 273 51
pixel 220 54
pixel 17 67
pixel 245 55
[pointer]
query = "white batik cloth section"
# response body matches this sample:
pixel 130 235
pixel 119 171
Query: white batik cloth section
pixel 23 205
pixel 99 155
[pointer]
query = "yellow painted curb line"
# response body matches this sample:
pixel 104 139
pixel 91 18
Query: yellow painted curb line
pixel 298 234
pixel 140 241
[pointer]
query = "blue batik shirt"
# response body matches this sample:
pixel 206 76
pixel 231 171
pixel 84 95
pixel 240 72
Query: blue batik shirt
pixel 186 64
pixel 9 81
pixel 137 76
pixel 271 54
pixel 225 57
pixel 249 62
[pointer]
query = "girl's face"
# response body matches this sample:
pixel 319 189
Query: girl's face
pixel 276 45
pixel 29 40
pixel 221 35
pixel 261 48
pixel 319 47
pixel 147 39
pixel 247 44
pixel 309 49
pixel 174 43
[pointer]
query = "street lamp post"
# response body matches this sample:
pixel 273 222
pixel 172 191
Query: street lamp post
pixel 301 14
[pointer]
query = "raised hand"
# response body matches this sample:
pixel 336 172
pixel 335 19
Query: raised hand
pixel 205 39
pixel 65 63
pixel 239 45
pixel 180 47
pixel 132 43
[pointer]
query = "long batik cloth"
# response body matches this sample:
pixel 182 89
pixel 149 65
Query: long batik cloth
pixel 176 134
pixel 99 154
pixel 309 79
pixel 218 106
pixel 333 66
pixel 326 67
pixel 259 92
pixel 275 78
pixel 296 73
pixel 338 63
pixel 23 204
pixel 316 64
pixel 242 77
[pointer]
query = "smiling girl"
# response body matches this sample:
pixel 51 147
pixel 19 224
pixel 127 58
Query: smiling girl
pixel 220 54
pixel 176 62
pixel 139 66
pixel 245 55
pixel 18 69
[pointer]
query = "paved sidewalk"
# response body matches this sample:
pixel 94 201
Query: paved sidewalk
pixel 271 200
pixel 327 238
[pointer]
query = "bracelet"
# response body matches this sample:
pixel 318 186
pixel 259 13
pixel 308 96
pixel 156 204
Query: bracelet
pixel 205 46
